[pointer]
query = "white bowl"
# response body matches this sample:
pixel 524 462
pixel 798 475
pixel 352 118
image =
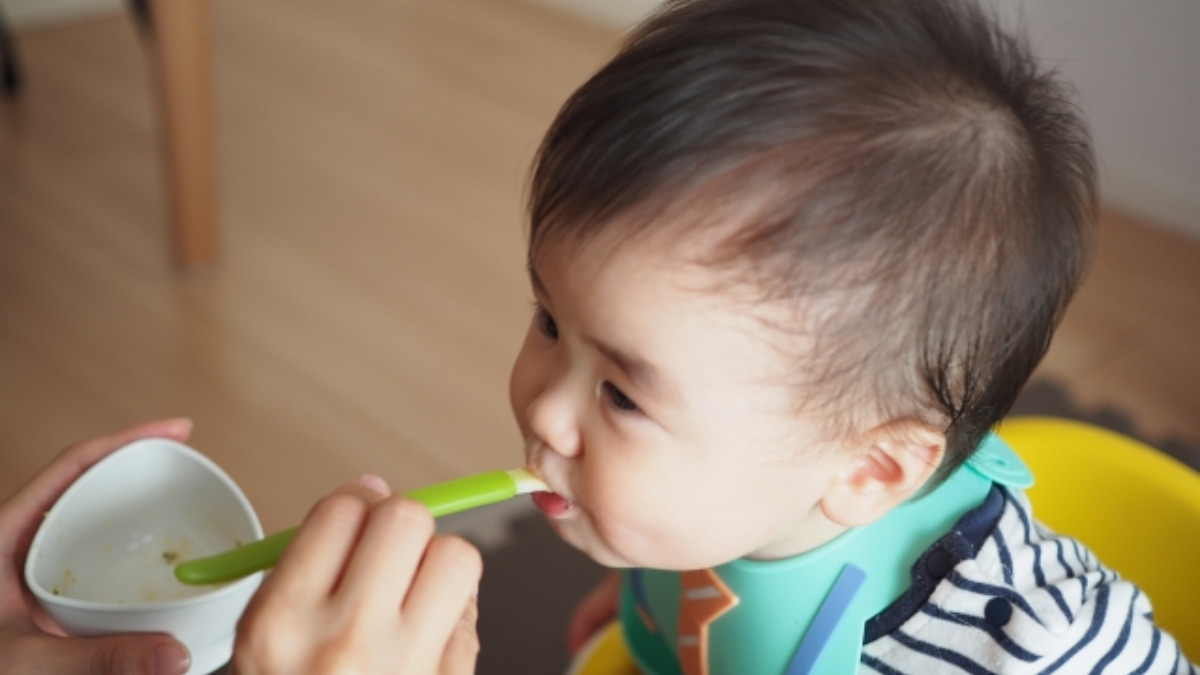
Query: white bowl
pixel 103 559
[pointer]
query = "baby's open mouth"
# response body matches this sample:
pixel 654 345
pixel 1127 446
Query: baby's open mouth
pixel 552 503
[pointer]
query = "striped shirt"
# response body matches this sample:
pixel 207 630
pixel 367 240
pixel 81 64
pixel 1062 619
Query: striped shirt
pixel 1002 594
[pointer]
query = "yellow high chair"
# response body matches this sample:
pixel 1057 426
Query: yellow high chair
pixel 1137 509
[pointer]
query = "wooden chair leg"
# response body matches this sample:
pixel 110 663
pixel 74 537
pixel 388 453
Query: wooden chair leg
pixel 180 48
pixel 10 77
pixel 141 14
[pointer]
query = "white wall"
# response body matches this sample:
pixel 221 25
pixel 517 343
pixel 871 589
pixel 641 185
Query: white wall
pixel 1136 65
pixel 1137 68
pixel 622 14
pixel 26 13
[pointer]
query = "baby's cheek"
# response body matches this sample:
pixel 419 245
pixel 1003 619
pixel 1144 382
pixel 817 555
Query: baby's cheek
pixel 627 521
pixel 649 533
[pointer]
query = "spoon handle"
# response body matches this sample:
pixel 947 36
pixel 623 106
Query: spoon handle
pixel 441 499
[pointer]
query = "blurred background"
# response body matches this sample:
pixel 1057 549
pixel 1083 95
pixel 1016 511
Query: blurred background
pixel 362 291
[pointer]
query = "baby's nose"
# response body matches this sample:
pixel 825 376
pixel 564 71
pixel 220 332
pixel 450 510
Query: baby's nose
pixel 555 421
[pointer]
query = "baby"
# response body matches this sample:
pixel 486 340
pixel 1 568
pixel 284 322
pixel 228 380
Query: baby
pixel 792 261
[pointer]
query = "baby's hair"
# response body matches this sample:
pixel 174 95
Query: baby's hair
pixel 913 180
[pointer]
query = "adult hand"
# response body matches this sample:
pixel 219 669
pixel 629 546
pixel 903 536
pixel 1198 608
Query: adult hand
pixel 365 587
pixel 30 642
pixel 594 612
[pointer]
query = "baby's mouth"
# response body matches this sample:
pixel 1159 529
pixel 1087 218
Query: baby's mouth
pixel 552 504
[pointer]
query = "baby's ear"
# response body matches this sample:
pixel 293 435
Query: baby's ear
pixel 895 461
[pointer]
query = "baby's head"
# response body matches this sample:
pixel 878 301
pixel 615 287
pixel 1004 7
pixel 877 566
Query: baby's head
pixel 793 260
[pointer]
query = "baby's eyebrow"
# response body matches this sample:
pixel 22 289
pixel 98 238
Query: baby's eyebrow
pixel 639 370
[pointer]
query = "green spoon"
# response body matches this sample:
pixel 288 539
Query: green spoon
pixel 442 499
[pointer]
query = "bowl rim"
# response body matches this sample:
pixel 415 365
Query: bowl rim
pixel 213 594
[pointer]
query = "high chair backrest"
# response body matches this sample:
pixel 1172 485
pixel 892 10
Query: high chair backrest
pixel 1135 507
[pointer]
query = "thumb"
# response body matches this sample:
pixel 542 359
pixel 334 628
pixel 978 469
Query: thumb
pixel 146 654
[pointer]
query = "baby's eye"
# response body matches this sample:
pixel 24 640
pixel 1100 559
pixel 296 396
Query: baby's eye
pixel 545 323
pixel 618 398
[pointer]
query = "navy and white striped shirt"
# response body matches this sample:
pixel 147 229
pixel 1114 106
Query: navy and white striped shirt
pixel 1002 594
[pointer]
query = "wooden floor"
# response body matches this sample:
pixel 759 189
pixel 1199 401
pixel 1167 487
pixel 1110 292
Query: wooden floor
pixel 371 292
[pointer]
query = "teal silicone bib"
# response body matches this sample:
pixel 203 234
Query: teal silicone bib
pixel 807 614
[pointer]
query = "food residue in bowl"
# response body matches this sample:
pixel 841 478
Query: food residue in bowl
pixel 68 580
pixel 174 550
pixel 123 568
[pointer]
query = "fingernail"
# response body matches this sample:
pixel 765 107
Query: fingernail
pixel 374 483
pixel 180 426
pixel 170 658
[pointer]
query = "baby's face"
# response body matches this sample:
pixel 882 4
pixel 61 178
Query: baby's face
pixel 659 412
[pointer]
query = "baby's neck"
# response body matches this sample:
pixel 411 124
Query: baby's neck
pixel 814 532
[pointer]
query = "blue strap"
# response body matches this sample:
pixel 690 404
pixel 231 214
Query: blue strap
pixel 848 583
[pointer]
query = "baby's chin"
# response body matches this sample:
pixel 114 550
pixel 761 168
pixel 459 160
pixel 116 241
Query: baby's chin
pixel 579 532
pixel 611 547
pixel 608 552
pixel 606 558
